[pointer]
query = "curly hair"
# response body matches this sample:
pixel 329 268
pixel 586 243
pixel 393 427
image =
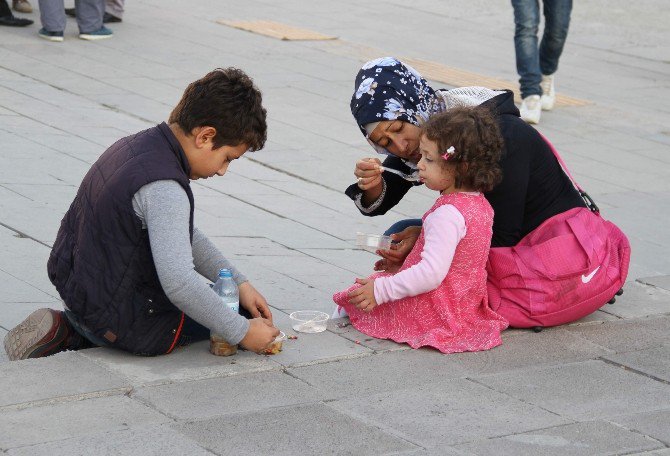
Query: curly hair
pixel 227 100
pixel 475 136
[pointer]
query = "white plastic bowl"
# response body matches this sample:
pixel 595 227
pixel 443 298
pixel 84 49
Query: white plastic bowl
pixel 309 321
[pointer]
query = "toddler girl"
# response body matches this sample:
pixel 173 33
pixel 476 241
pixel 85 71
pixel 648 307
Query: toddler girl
pixel 438 296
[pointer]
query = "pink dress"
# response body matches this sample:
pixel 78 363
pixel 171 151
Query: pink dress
pixel 455 316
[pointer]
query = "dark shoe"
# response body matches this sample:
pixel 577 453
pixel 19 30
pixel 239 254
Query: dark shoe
pixel 51 36
pixel 22 6
pixel 110 18
pixel 70 12
pixel 43 333
pixel 99 34
pixel 12 21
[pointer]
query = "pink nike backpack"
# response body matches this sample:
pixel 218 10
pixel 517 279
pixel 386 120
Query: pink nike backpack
pixel 565 269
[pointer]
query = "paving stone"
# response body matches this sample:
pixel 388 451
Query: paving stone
pixel 658 281
pixel 184 364
pixel 654 424
pixel 627 335
pixel 302 429
pixel 146 440
pixel 398 369
pixel 652 361
pixel 584 390
pixel 446 413
pixel 312 348
pixel 589 438
pixel 34 380
pixel 229 395
pixel 73 419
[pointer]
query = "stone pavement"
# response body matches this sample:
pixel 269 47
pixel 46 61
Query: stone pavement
pixel 600 386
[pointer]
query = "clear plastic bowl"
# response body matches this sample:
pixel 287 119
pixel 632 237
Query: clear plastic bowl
pixel 309 321
pixel 373 242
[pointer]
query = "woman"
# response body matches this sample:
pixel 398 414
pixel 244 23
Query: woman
pixel 390 102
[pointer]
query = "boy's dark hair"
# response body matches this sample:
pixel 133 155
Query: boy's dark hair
pixel 475 136
pixel 227 100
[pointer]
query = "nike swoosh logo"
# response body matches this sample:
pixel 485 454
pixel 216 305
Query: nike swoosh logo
pixel 587 278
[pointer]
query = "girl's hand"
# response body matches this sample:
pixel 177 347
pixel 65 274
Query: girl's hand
pixel 369 173
pixel 363 297
pixel 254 302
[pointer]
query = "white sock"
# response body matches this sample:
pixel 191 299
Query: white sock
pixel 339 312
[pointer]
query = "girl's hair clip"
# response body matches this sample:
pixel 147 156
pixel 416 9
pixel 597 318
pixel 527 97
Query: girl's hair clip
pixel 449 153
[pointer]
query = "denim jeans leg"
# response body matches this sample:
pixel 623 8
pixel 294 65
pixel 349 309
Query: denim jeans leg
pixel 397 227
pixel 526 22
pixel 556 23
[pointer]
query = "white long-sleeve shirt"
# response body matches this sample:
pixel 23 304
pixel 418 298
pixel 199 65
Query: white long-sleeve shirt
pixel 443 229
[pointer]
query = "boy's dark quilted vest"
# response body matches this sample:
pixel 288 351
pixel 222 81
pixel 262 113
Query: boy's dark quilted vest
pixel 101 262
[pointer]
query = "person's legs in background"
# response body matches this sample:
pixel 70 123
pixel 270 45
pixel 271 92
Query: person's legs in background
pixel 526 22
pixel 556 24
pixel 114 10
pixel 89 20
pixel 399 226
pixel 53 19
pixel 7 18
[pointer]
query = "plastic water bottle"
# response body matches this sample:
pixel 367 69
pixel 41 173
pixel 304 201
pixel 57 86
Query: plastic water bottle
pixel 226 288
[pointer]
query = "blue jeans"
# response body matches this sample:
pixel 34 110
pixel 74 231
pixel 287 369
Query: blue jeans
pixel 397 227
pixel 532 62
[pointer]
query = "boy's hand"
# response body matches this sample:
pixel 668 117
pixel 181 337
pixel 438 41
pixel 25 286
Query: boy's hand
pixel 254 302
pixel 363 297
pixel 260 334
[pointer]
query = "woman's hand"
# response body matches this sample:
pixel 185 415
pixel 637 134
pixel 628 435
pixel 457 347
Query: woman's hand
pixel 260 334
pixel 394 257
pixel 369 174
pixel 254 302
pixel 363 297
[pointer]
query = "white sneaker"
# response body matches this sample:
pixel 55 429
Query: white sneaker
pixel 548 93
pixel 531 109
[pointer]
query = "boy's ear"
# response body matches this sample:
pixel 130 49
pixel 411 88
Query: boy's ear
pixel 204 136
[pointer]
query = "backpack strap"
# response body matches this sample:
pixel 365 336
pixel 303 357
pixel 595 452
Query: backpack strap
pixel 585 196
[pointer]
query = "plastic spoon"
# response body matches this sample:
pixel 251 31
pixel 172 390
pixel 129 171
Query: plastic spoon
pixel 407 177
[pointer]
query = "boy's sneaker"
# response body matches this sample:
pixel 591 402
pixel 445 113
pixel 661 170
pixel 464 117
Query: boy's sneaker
pixel 51 36
pixel 43 333
pixel 531 109
pixel 100 34
pixel 548 93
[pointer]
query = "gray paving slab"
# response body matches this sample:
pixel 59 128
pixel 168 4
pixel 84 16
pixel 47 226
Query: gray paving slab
pixel 654 424
pixel 184 364
pixel 152 440
pixel 588 438
pixel 584 390
pixel 37 380
pixel 306 429
pixel 628 335
pixel 314 348
pixel 654 362
pixel 398 369
pixel 256 392
pixel 447 412
pixel 657 281
pixel 343 327
pixel 73 419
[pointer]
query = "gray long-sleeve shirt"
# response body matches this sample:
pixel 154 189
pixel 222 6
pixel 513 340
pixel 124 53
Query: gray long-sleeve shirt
pixel 164 209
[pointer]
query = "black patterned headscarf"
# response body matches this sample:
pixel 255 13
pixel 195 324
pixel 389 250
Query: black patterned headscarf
pixel 387 89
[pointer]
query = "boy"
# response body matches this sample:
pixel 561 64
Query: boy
pixel 126 255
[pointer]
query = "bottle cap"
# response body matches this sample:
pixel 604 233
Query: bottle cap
pixel 225 273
